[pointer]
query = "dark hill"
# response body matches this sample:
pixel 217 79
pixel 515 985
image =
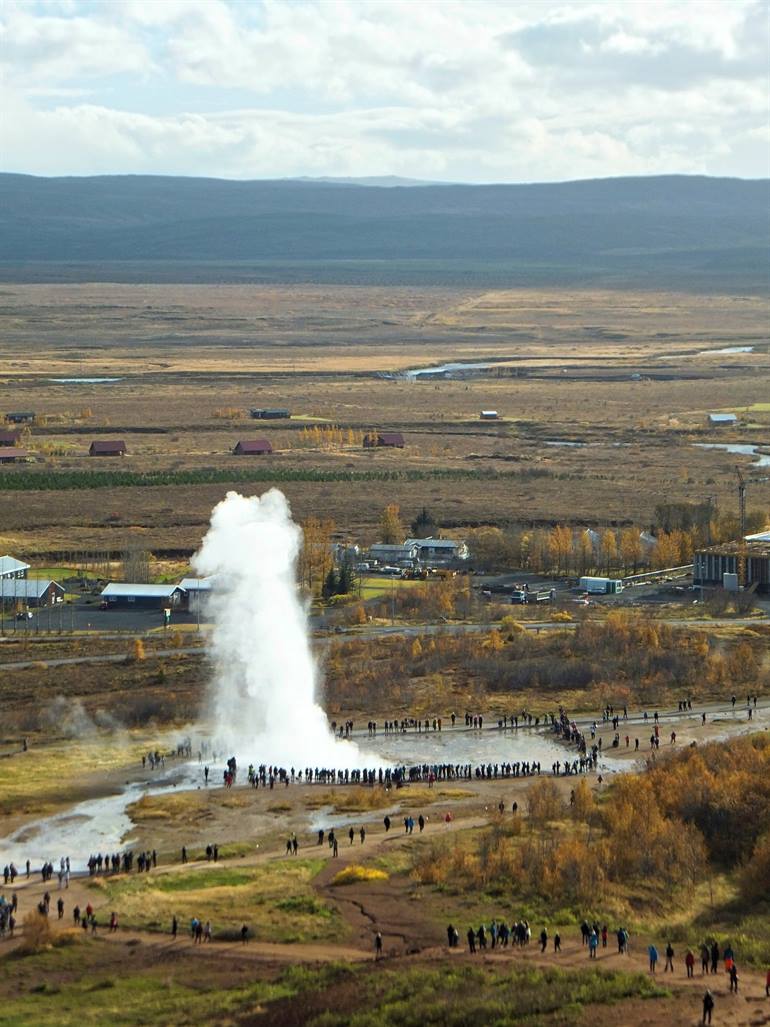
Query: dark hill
pixel 681 231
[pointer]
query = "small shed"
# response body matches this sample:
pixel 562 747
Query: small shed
pixel 722 420
pixel 269 413
pixel 489 415
pixel 107 447
pixel 388 439
pixel 9 438
pixel 20 417
pixel 253 447
pixel 126 595
pixel 12 454
pixel 31 592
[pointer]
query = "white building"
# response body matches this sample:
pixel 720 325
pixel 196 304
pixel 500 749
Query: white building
pixel 438 551
pixel 722 420
pixel 10 567
pixel 403 555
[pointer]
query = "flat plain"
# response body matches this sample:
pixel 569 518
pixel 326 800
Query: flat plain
pixel 601 397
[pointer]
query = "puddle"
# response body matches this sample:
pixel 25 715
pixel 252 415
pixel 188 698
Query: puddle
pixel 84 381
pixel 724 352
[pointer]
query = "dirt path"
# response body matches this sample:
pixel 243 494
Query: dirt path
pixel 388 907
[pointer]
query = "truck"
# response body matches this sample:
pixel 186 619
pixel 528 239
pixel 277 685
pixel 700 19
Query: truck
pixel 601 586
pixel 521 596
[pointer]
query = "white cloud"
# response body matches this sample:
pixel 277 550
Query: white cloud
pixel 445 90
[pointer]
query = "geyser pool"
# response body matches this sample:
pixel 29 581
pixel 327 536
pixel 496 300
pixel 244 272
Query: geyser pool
pixel 262 694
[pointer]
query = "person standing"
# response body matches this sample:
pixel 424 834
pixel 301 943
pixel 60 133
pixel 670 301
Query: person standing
pixel 704 959
pixel 377 946
pixel 669 958
pixel 714 957
pixel 708 1006
pixel 652 952
pixel 689 962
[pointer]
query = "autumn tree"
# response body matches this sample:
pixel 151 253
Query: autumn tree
pixel 391 531
pixel 630 550
pixel 609 549
pixel 316 557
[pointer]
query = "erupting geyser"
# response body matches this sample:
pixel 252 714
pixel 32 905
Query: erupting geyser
pixel 262 695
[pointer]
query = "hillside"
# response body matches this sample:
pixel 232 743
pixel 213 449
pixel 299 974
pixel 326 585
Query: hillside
pixel 687 232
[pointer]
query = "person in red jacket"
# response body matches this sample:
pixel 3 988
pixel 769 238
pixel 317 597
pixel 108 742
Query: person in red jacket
pixel 689 962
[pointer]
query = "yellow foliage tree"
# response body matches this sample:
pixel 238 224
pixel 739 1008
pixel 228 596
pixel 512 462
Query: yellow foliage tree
pixel 391 531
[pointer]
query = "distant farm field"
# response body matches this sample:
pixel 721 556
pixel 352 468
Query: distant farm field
pixel 602 397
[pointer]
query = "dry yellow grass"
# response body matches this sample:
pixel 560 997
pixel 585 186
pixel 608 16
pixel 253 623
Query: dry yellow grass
pixel 355 873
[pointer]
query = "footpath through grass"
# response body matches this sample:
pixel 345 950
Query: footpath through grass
pixel 275 899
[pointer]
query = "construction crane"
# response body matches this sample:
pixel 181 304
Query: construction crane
pixel 743 548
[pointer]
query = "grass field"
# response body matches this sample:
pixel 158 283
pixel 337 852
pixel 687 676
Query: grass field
pixel 276 900
pixel 51 990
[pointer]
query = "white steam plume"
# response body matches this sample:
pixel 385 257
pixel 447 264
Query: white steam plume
pixel 263 692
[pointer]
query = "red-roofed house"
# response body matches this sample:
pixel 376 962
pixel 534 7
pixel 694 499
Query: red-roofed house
pixel 108 447
pixel 391 439
pixel 10 454
pixel 255 447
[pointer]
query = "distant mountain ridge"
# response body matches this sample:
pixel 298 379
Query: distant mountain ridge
pixel 675 228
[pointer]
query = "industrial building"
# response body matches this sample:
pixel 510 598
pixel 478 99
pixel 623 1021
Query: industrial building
pixel 711 565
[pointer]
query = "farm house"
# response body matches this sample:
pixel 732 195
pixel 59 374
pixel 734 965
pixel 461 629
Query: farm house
pixel 255 447
pixel 107 447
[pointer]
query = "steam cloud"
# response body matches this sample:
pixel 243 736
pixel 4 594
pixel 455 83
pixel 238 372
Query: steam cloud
pixel 263 691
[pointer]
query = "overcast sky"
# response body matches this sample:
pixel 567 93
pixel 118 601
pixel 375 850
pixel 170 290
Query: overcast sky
pixel 472 91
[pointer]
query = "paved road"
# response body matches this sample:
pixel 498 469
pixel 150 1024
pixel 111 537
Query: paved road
pixel 407 630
